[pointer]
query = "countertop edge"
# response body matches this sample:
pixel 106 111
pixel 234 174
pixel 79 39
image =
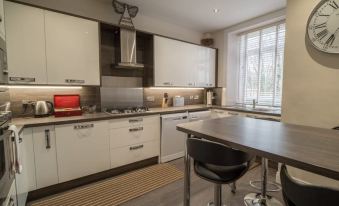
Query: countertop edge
pixel 103 116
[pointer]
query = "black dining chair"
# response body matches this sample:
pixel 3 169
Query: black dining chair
pixel 218 164
pixel 299 194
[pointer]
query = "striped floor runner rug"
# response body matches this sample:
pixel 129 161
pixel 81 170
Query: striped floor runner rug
pixel 116 190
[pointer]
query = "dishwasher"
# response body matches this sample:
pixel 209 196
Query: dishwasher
pixel 172 140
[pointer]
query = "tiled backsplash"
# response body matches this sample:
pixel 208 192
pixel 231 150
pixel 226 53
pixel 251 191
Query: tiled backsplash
pixel 88 96
pixel 192 96
pixel 91 96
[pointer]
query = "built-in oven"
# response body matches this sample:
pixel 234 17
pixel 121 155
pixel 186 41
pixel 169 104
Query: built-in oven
pixel 3 62
pixel 6 158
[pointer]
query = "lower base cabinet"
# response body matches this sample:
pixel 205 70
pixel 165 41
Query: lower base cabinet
pixel 46 168
pixel 26 182
pixel 134 153
pixel 82 149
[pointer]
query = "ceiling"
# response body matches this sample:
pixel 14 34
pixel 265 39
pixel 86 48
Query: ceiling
pixel 198 14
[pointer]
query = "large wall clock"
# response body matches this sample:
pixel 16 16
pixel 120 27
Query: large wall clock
pixel 323 26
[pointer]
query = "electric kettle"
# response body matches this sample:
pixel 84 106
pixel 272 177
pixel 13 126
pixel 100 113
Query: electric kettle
pixel 43 108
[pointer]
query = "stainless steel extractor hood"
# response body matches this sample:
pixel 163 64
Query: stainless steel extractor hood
pixel 128 49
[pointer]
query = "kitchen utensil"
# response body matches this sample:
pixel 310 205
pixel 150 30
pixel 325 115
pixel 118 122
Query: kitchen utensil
pixel 43 108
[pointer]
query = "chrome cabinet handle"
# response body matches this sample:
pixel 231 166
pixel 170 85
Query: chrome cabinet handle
pixel 168 83
pixel 22 79
pixel 135 120
pixel 233 113
pixel 48 139
pixel 136 129
pixel 83 126
pixel 136 147
pixel 75 81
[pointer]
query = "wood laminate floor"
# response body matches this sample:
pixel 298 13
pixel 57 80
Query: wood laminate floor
pixel 201 191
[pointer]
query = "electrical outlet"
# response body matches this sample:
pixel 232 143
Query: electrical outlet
pixel 196 97
pixel 25 102
pixel 150 98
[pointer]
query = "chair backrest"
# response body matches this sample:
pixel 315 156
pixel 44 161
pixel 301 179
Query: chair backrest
pixel 298 194
pixel 215 153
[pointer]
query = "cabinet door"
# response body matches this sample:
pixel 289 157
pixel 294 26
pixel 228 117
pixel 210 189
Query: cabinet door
pixel 172 61
pixel 25 44
pixel 72 48
pixel 205 70
pixel 46 168
pixel 2 20
pixel 26 181
pixel 211 66
pixel 82 149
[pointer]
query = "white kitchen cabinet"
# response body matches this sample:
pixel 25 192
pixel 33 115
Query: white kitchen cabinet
pixel 170 57
pixel 133 153
pixel 72 46
pixel 45 156
pixel 2 20
pixel 134 139
pixel 26 181
pixel 183 64
pixel 26 52
pixel 136 132
pixel 82 149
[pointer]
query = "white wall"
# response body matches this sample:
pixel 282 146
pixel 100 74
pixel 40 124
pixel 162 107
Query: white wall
pixel 103 10
pixel 311 81
pixel 227 43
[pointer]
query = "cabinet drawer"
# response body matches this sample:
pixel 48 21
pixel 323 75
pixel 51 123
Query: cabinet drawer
pixel 134 153
pixel 125 136
pixel 134 121
pixel 82 149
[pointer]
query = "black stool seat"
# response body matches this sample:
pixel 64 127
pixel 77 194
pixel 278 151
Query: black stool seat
pixel 298 194
pixel 219 174
pixel 218 164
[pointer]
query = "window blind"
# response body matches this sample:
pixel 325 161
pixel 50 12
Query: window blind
pixel 261 62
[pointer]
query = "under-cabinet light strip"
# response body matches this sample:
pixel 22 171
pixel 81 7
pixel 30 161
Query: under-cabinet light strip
pixel 40 87
pixel 176 88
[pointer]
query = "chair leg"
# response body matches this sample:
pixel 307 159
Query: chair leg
pixel 233 187
pixel 217 195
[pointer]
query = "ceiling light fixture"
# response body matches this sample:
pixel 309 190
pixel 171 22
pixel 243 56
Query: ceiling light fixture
pixel 215 10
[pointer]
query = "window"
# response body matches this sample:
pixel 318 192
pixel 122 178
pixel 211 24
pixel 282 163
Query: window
pixel 261 62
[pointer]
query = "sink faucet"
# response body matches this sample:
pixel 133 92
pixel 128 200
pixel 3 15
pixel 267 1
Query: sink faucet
pixel 254 103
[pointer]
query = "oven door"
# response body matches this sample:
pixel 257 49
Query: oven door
pixel 6 174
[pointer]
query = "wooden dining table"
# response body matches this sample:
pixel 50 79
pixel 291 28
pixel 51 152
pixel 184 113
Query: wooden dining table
pixel 309 148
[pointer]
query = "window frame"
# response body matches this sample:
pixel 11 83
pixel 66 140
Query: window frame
pixel 239 80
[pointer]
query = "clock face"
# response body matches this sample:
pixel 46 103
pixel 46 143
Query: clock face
pixel 323 26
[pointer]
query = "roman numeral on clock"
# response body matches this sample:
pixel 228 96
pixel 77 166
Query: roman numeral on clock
pixel 322 34
pixel 323 25
pixel 330 40
pixel 334 5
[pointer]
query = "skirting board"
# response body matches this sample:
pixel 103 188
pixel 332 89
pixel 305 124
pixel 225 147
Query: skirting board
pixel 47 191
pixel 171 157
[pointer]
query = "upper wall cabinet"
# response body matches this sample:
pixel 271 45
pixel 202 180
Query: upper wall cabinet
pixel 2 20
pixel 72 46
pixel 182 64
pixel 50 48
pixel 25 44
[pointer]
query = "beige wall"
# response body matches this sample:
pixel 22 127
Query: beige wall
pixel 103 10
pixel 311 78
pixel 311 82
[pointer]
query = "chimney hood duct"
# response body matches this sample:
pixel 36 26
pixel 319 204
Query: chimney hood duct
pixel 128 49
pixel 127 35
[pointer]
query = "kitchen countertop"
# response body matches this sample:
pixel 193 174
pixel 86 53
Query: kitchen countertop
pixel 22 123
